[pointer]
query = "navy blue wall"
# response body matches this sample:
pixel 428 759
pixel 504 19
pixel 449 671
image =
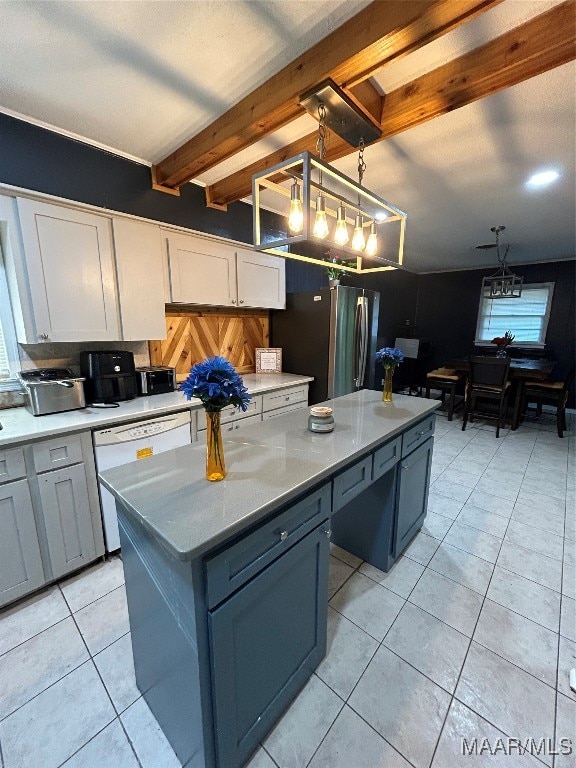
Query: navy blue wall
pixel 41 160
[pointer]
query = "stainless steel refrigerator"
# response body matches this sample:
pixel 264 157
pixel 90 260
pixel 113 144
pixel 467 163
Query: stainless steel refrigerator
pixel 329 334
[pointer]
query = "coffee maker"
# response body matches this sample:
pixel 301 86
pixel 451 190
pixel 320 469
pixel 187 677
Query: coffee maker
pixel 110 376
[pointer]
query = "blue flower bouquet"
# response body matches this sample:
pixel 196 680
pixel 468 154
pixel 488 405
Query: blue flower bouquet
pixel 216 384
pixel 390 357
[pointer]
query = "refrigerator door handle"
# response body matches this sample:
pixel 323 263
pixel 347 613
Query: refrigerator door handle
pixel 360 341
pixel 363 339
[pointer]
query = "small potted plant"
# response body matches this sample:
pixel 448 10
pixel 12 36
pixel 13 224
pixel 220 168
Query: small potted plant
pixel 334 270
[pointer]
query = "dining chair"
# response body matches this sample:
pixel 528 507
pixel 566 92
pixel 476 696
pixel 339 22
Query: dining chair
pixel 487 381
pixel 446 380
pixel 553 393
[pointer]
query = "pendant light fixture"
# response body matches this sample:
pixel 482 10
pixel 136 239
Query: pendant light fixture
pixel 320 204
pixel 503 284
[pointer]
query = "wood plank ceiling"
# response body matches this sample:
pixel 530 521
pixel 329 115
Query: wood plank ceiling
pixel 375 37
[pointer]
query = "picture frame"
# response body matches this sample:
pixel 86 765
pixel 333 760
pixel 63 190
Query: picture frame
pixel 269 360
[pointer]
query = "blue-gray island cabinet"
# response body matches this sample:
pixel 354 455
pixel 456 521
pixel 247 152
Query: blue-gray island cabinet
pixel 227 583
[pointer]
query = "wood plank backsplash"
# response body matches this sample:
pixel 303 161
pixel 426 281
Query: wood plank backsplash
pixel 195 333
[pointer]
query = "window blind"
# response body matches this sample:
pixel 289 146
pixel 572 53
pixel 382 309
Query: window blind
pixel 526 317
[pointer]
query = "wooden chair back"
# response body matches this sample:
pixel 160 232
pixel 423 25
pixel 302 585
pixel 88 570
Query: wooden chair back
pixel 489 371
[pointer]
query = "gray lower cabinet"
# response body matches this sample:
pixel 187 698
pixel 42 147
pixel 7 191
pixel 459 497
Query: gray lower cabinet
pixel 412 495
pixel 266 641
pixel 67 518
pixel 21 568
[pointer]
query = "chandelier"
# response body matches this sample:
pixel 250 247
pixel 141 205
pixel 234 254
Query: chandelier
pixel 318 206
pixel 503 284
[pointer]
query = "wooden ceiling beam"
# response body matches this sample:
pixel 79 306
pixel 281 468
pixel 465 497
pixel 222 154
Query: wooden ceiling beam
pixel 543 43
pixel 381 32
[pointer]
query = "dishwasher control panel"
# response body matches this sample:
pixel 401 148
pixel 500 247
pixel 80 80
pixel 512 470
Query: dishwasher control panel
pixel 124 433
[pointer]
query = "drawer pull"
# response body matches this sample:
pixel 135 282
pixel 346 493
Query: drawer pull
pixel 283 535
pixel 287 398
pixel 328 532
pixel 421 434
pixel 405 467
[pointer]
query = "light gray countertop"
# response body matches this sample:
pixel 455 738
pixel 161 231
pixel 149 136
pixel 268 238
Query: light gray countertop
pixel 19 426
pixel 270 464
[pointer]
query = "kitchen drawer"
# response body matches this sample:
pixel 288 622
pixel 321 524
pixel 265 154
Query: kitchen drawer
pixel 231 413
pixel 386 457
pixel 283 397
pixel 417 435
pixel 282 411
pixel 228 570
pixel 232 427
pixel 351 482
pixel 56 453
pixel 12 464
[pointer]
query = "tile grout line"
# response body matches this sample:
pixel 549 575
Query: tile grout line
pixel 117 715
pixel 453 695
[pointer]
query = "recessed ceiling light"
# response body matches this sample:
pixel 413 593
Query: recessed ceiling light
pixel 542 179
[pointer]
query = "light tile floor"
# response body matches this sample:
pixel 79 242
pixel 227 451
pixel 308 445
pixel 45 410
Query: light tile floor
pixel 470 635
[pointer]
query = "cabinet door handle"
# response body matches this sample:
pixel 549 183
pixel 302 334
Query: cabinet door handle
pixel 44 336
pixel 237 426
pixel 241 301
pixel 287 398
pixel 283 535
pixel 233 301
pixel 405 467
pixel 231 428
pixel 328 532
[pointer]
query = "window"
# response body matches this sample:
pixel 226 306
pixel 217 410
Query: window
pixel 525 317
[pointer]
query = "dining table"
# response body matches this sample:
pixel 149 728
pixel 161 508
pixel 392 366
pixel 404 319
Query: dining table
pixel 521 369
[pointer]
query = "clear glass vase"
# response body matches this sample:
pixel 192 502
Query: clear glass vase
pixel 387 391
pixel 215 466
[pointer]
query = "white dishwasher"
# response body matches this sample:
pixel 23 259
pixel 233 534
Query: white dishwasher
pixel 129 442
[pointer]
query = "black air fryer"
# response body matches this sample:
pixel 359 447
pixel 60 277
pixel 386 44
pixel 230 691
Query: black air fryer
pixel 110 376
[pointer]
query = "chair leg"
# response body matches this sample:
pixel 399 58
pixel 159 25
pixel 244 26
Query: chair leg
pixel 466 410
pixel 451 401
pixel 561 419
pixel 500 414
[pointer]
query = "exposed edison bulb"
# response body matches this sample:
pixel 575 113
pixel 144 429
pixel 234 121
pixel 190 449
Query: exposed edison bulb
pixel 320 222
pixel 341 235
pixel 358 241
pixel 372 242
pixel 296 215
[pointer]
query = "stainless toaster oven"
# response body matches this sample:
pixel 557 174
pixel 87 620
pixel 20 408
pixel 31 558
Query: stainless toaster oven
pixel 156 380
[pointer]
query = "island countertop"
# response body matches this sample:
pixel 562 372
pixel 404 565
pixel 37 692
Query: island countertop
pixel 272 463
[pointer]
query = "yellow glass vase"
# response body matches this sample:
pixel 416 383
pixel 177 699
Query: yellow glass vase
pixel 215 467
pixel 387 391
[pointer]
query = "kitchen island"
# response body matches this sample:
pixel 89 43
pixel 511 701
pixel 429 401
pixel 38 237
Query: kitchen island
pixel 227 582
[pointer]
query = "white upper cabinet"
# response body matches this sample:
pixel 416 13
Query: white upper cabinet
pixel 70 273
pixel 139 267
pixel 261 280
pixel 203 271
